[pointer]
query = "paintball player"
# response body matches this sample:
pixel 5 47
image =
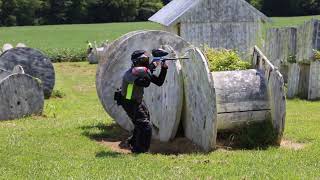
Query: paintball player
pixel 137 78
pixel 89 47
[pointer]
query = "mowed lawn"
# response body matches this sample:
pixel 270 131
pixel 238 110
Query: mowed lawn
pixel 59 144
pixel 69 36
pixel 75 36
pixel 291 21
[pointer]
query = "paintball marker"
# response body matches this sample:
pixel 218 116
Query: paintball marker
pixel 159 56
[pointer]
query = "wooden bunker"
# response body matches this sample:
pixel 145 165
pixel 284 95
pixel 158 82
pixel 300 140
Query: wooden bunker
pixel 250 96
pixel 229 24
pixel 34 63
pixel 203 102
pixel 20 94
pixel 292 50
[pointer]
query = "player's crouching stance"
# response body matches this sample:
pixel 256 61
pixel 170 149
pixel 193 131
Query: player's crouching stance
pixel 138 77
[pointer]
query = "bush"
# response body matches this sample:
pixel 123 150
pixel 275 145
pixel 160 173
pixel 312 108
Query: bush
pixel 66 54
pixel 316 54
pixel 147 9
pixel 224 60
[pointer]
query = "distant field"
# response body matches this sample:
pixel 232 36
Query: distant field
pixel 68 36
pixel 75 36
pixel 287 22
pixel 291 21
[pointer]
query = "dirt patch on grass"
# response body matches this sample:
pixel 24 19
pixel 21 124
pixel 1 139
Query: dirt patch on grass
pixel 114 137
pixel 287 144
pixel 115 146
pixel 177 146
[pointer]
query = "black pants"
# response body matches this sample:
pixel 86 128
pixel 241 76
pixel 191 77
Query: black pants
pixel 142 132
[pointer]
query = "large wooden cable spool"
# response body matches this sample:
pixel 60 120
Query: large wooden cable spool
pixel 105 57
pixel 251 96
pixel 165 103
pixel 276 91
pixel 199 109
pixel 205 103
pixel 34 63
pixel 118 60
pixel 242 98
pixel 20 95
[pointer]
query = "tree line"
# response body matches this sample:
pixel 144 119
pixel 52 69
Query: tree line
pixel 42 12
pixel 287 7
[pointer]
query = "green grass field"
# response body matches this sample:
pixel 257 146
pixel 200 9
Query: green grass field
pixel 291 21
pixel 58 145
pixel 69 36
pixel 75 36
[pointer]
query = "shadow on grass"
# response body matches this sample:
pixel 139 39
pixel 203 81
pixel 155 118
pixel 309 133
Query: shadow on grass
pixel 256 136
pixel 251 137
pixel 115 137
pixel 105 132
pixel 104 154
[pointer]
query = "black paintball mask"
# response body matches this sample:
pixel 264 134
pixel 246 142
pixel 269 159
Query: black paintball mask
pixel 140 58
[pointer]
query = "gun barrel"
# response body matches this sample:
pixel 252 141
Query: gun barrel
pixel 174 59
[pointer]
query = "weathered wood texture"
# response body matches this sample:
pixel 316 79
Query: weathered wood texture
pixel 6 47
pixel 280 45
pixel 242 97
pixel 275 86
pixel 92 58
pixel 20 95
pixel 117 61
pixel 299 79
pixel 239 36
pixel 223 11
pixel 314 83
pixel 21 45
pixel 104 58
pixel 295 45
pixel 34 63
pixel 293 80
pixel 166 111
pixel 308 38
pixel 231 24
pixel 97 53
pixel 304 80
pixel 199 110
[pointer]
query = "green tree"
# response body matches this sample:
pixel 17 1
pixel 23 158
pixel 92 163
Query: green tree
pixel 113 10
pixel 55 11
pixel 8 10
pixel 147 8
pixel 26 11
pixel 78 11
pixel 256 3
pixel 1 13
pixel 310 7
